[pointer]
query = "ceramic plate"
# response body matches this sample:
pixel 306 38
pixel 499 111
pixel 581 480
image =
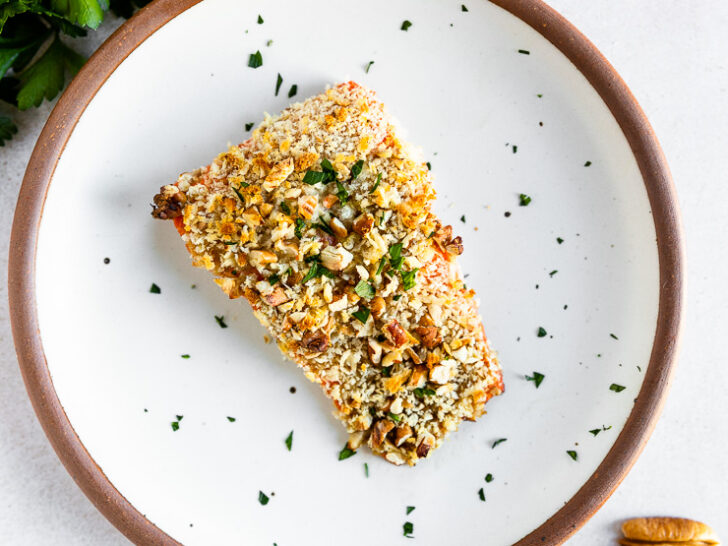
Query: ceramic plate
pixel 571 285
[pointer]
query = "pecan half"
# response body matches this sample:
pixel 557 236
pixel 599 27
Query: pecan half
pixel 377 307
pixel 317 341
pixel 379 432
pixel 395 333
pixel 425 446
pixel 402 434
pixel 168 203
pixel 453 245
pixel 276 297
pixel 429 336
pixel 363 224
pixel 667 530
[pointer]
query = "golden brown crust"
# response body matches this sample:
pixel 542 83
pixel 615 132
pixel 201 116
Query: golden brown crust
pixel 668 530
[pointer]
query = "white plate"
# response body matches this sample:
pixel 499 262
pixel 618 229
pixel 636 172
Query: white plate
pixel 494 123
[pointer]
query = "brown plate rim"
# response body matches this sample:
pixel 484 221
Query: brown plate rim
pixel 586 58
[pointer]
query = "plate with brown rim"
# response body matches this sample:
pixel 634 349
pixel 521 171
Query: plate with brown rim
pixel 176 428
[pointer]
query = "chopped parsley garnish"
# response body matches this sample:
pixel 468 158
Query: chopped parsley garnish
pixel 410 509
pixel 317 270
pixel 408 529
pixel 595 431
pixel 395 255
pixel 249 126
pixel 394 416
pixel 539 95
pixel 515 148
pixel 422 392
pixel 488 478
pixel 179 417
pixel 292 91
pixel 341 193
pixel 397 297
pixel 559 240
pixel 285 208
pixel 255 60
pixel 616 388
pixel 409 278
pixel 613 336
pixel 405 25
pixel 323 226
pixel 274 278
pixel 154 289
pixel 327 174
pixel 362 314
pixel 262 498
pixel 175 426
pixel 185 356
pixel 541 332
pixel 260 20
pixel 365 290
pixel 524 51
pixel 554 272
pixel 240 195
pixel 429 166
pixel 221 321
pixel 369 65
pixel 289 440
pixel 587 163
pixel 231 419
pixel 537 378
pixel 387 371
pixel 300 226
pixel 481 494
pixel 463 8
pixel 346 453
pixel 356 169
pixel 376 184
pixel 382 263
pixel 524 200
pixel 572 454
pixel 366 470
pixel 279 81
pixel 499 441
pixel 462 218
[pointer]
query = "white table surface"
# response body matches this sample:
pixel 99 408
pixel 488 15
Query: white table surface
pixel 674 56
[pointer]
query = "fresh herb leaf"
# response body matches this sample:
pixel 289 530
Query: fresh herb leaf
pixel 249 126
pixel 613 336
pixel 420 392
pixel 382 263
pixel 279 81
pixel 221 321
pixel 541 332
pixel 175 426
pixel 429 166
pixel 387 371
pixel 7 129
pixel 365 290
pixel 395 255
pixel 397 297
pixel 185 356
pixel 289 440
pixel 300 226
pixel 481 494
pixel 366 470
pixel 410 509
pixel 292 91
pixel 362 314
pixel 323 226
pixel 554 272
pixel 346 453
pixel 499 441
pixel 595 431
pixel 524 200
pixel 515 148
pixel 587 164
pixel 409 278
pixel 260 20
pixel 327 174
pixel 376 184
pixel 537 378
pixel 341 193
pixel 262 498
pixel 539 95
pixel 269 43
pixel 488 478
pixel 406 25
pixel 45 77
pixel 179 417
pixel 524 52
pixel 572 454
pixel 154 289
pixel 240 195
pixel 463 8
pixel 462 218
pixel 616 388
pixel 312 273
pixel 274 278
pixel 559 240
pixel 231 419
pixel 285 208
pixel 394 416
pixel 255 60
pixel 369 65
pixel 408 529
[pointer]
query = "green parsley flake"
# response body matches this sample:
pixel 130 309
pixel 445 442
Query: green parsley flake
pixel 292 92
pixel 269 43
pixel 537 378
pixel 262 498
pixel 395 255
pixel 382 263
pixel 481 494
pixel 524 200
pixel 356 169
pixel 409 278
pixel 616 388
pixel 273 279
pixel 300 226
pixel 394 417
pixel 366 470
pixel 406 25
pixel 221 321
pixel 285 208
pixel 463 8
pixel 365 290
pixel 154 289
pixel 362 314
pixel 429 166
pixel 499 441
pixel 524 52
pixel 397 297
pixel 255 60
pixel 613 336
pixel 376 184
pixel 572 454
pixel 260 20
pixel 323 226
pixel 515 148
pixel 317 270
pixel 289 440
pixel 595 431
pixel 279 81
pixel 185 356
pixel 559 240
pixel 387 371
pixel 587 164
pixel 240 195
pixel 249 126
pixel 410 509
pixel 488 478
pixel 231 419
pixel 462 218
pixel 175 426
pixel 540 95
pixel 541 332
pixel 408 529
pixel 341 193
pixel 369 65
pixel 346 453
pixel 422 392
pixel 554 272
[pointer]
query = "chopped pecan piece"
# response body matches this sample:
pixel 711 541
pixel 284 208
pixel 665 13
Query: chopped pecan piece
pixel 356 439
pixel 377 307
pixel 453 246
pixel 667 530
pixel 379 432
pixel 336 258
pixel 402 434
pixel 395 333
pixel 315 341
pixel 363 224
pixel 276 297
pixel 424 447
pixel 168 203
pixel 429 336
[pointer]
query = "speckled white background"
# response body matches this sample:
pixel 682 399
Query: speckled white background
pixel 673 56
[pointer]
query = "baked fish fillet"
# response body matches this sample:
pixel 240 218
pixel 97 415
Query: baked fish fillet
pixel 322 221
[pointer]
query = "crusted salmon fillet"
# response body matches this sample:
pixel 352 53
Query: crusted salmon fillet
pixel 322 221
